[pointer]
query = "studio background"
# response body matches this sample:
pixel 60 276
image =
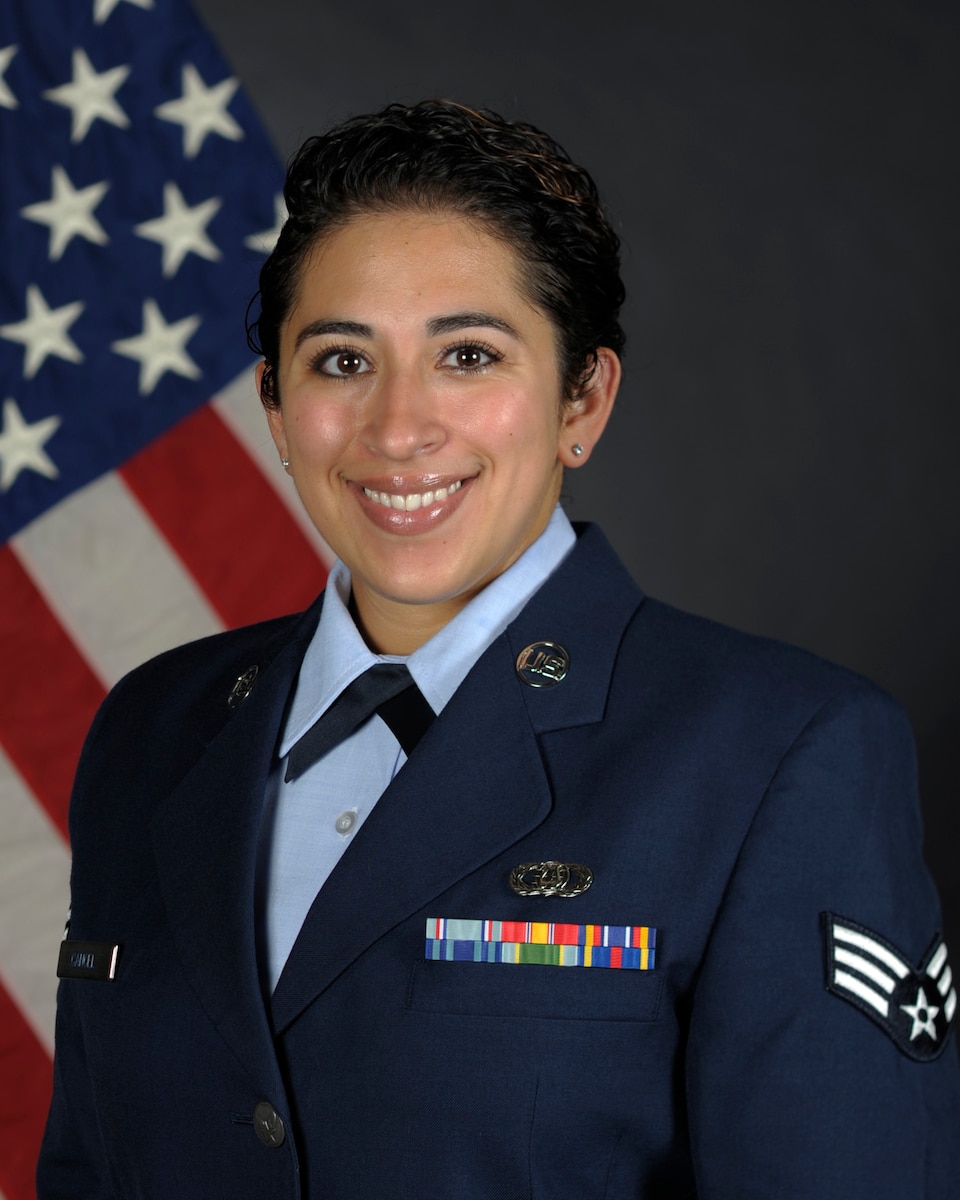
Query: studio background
pixel 785 182
pixel 784 179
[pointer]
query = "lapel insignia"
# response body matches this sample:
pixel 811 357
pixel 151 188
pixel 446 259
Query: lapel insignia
pixel 543 664
pixel 546 943
pixel 914 1006
pixel 551 878
pixel 242 687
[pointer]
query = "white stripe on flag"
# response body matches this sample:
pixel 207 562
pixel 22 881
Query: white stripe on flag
pixel 859 963
pixel 852 984
pixel 112 579
pixel 867 944
pixel 34 897
pixel 239 407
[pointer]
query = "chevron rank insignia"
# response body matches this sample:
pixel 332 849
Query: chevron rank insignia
pixel 914 1006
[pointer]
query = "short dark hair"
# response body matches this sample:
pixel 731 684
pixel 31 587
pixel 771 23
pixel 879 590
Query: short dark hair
pixel 438 156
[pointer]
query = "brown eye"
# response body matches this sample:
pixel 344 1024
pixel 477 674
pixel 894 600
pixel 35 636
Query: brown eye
pixel 341 364
pixel 470 357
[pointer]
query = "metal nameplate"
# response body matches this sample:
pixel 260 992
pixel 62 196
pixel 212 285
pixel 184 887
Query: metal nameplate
pixel 88 960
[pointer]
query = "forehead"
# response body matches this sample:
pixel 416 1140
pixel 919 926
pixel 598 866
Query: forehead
pixel 410 262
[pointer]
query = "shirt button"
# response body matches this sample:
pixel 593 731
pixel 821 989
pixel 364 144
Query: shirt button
pixel 268 1124
pixel 345 822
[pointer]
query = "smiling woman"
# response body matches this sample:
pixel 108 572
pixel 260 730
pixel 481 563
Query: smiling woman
pixel 342 860
pixel 422 414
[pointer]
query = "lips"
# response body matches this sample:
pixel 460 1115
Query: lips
pixel 411 501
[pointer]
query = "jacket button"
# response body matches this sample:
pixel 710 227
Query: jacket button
pixel 268 1124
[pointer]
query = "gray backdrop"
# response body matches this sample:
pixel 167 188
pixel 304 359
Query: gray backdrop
pixel 786 184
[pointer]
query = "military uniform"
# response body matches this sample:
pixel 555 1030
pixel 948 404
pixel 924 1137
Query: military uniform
pixel 461 1016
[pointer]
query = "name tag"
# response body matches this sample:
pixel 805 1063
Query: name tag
pixel 88 960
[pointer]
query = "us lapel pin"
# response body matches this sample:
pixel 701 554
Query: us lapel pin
pixel 242 687
pixel 543 664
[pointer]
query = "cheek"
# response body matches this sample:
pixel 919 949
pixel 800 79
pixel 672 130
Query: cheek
pixel 519 416
pixel 320 430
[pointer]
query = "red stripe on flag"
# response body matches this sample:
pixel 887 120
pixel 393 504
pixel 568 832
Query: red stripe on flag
pixel 50 694
pixel 27 1075
pixel 228 526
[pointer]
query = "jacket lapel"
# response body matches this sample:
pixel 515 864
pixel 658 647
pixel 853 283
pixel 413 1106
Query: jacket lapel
pixel 205 837
pixel 476 784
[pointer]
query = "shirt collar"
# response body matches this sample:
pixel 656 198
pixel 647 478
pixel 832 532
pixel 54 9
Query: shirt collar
pixel 337 653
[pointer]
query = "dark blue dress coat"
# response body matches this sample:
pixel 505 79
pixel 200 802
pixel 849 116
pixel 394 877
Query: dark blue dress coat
pixel 725 790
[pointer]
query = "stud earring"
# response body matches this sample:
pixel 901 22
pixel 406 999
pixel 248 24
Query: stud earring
pixel 284 462
pixel 577 449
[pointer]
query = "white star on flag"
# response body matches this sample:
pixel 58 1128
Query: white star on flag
pixel 201 110
pixel 160 347
pixel 922 1014
pixel 69 213
pixel 90 96
pixel 264 242
pixel 103 8
pixel 44 332
pixel 7 98
pixel 181 230
pixel 21 445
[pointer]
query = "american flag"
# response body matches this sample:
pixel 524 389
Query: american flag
pixel 141 501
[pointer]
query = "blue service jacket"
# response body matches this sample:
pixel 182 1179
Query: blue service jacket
pixel 724 790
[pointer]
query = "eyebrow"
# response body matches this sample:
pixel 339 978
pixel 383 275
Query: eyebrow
pixel 343 328
pixel 436 327
pixel 470 320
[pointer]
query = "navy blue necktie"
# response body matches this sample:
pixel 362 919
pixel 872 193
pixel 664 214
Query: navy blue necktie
pixel 386 689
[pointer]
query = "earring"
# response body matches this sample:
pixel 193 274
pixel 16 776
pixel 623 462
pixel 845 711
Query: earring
pixel 284 462
pixel 577 449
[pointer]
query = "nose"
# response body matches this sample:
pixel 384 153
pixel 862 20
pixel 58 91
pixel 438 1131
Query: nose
pixel 402 417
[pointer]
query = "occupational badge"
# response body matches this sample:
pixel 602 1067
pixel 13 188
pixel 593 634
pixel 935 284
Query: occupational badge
pixel 550 878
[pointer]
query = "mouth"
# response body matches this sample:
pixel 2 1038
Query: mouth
pixel 413 500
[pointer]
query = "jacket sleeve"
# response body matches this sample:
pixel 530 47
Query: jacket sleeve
pixel 72 1161
pixel 795 1091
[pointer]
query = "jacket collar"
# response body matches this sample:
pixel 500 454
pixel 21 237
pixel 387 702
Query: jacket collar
pixel 205 834
pixel 477 783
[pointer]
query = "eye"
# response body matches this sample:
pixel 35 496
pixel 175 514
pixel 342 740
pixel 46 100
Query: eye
pixel 341 364
pixel 469 357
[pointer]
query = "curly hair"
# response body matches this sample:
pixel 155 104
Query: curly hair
pixel 438 156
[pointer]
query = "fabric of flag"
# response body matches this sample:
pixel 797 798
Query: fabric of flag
pixel 546 943
pixel 141 500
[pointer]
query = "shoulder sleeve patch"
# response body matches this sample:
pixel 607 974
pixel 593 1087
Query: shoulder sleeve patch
pixel 914 1006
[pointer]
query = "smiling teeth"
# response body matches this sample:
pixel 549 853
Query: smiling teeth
pixel 415 500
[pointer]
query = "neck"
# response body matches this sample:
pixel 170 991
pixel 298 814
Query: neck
pixel 390 627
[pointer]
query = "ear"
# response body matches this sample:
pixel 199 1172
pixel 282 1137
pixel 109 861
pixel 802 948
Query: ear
pixel 585 418
pixel 274 415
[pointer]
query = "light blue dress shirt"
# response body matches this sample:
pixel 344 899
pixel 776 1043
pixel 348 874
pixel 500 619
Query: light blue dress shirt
pixel 309 822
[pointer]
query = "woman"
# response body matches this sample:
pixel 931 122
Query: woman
pixel 341 973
